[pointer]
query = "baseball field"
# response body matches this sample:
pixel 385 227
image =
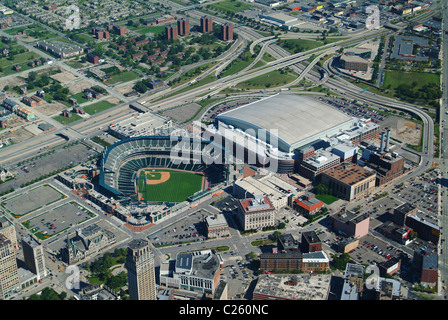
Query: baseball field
pixel 165 185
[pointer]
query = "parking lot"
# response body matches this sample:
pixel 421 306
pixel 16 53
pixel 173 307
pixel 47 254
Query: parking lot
pixel 189 229
pixel 59 218
pixel 38 167
pixel 355 110
pixel 31 200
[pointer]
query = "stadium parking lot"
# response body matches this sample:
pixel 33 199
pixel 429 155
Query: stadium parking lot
pixel 354 109
pixel 37 167
pixel 189 229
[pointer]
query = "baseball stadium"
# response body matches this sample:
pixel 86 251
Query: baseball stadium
pixel 158 169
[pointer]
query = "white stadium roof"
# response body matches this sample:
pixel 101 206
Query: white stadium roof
pixel 298 119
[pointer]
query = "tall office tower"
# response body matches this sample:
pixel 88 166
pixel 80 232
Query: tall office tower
pixel 33 253
pixel 9 272
pixel 8 230
pixel 183 26
pixel 171 32
pixel 140 267
pixel 227 31
pixel 206 24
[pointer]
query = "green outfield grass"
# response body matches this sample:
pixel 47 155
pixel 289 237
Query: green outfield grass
pixel 178 188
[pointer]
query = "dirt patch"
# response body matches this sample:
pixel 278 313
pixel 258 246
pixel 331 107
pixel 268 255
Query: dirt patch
pixel 50 109
pixel 18 135
pixel 164 176
pixel 183 113
pixel 113 100
pixel 64 77
pixel 404 130
pixel 11 82
pixel 78 86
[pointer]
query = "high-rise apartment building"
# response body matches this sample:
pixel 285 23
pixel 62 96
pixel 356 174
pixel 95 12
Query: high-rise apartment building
pixel 227 31
pixel 183 26
pixel 9 273
pixel 206 24
pixel 140 267
pixel 33 253
pixel 171 32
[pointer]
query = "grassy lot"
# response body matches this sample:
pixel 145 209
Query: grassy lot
pixel 152 29
pixel 271 79
pixel 65 120
pixel 177 188
pixel 123 77
pixel 421 85
pixel 193 73
pixel 229 5
pixel 98 107
pixel 395 78
pixel 327 198
pixel 34 31
pixel 299 45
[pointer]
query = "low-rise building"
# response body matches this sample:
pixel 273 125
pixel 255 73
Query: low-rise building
pixel 197 271
pixel 349 180
pixel 350 224
pixel 87 242
pixel 217 226
pixel 256 213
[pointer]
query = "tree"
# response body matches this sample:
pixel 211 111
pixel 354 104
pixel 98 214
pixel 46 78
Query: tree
pixel 32 76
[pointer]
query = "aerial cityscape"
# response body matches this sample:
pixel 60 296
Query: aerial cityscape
pixel 205 150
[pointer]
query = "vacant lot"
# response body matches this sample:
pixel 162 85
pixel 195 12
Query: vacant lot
pixel 230 6
pixel 271 79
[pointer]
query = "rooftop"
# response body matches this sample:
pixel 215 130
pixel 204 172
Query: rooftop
pixel 295 120
pixel 294 287
pixel 349 173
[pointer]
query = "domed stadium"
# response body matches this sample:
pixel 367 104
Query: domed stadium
pixel 158 169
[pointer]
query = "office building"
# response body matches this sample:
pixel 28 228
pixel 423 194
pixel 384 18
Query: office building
pixel 140 268
pixel 8 230
pixel 350 224
pixel 256 213
pixel 349 180
pixel 33 253
pixel 217 226
pixel 197 271
pixel 9 273
pixel 353 282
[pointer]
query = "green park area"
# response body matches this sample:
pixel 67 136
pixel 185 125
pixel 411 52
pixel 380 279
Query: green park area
pixel 179 186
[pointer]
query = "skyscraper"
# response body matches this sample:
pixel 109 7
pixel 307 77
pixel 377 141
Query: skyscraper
pixel 9 273
pixel 183 26
pixel 206 24
pixel 140 267
pixel 33 253
pixel 227 31
pixel 8 230
pixel 171 32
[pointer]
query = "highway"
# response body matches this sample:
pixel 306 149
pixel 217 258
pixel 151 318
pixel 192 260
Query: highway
pixel 443 193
